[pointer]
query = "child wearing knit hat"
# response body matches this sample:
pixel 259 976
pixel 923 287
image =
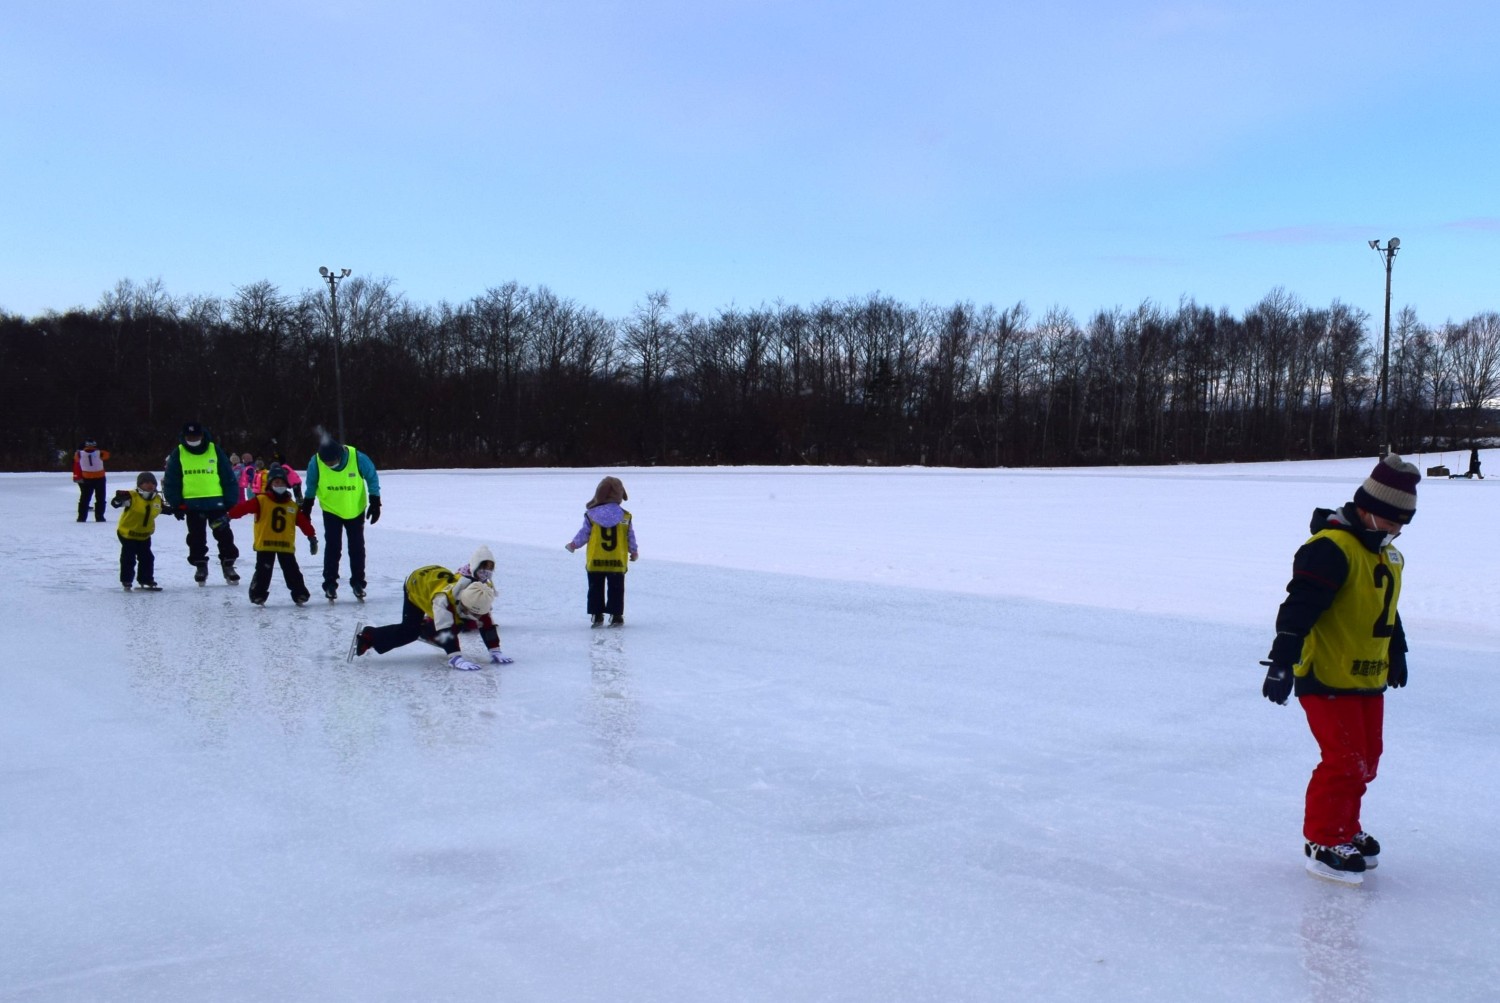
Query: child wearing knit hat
pixel 1339 643
pixel 610 538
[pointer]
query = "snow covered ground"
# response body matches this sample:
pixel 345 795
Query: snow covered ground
pixel 868 735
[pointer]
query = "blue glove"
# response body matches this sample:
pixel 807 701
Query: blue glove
pixel 459 662
pixel 498 657
pixel 1278 684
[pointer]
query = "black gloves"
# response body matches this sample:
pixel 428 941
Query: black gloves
pixel 312 545
pixel 1396 678
pixel 1278 684
pixel 179 514
pixel 374 509
pixel 307 505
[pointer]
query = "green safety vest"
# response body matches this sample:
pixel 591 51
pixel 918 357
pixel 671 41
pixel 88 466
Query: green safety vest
pixel 342 492
pixel 200 473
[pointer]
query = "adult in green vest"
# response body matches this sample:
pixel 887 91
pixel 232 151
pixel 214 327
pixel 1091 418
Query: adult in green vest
pixel 199 487
pixel 344 482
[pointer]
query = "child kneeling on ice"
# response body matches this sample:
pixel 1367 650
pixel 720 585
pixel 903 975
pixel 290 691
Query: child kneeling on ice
pixel 605 558
pixel 134 529
pixel 438 605
pixel 277 520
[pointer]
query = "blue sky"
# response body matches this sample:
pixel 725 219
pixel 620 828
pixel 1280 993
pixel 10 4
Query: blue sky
pixel 732 153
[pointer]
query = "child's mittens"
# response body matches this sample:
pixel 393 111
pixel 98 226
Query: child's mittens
pixel 634 555
pixel 498 657
pixel 121 499
pixel 569 547
pixel 462 664
pixel 312 545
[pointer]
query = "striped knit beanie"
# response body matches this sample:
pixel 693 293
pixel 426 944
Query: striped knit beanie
pixel 1391 490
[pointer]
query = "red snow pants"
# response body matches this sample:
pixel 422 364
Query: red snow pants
pixel 1348 730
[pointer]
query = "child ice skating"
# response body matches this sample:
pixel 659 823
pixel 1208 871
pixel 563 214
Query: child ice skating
pixel 1339 644
pixel 277 520
pixel 134 529
pixel 438 605
pixel 610 538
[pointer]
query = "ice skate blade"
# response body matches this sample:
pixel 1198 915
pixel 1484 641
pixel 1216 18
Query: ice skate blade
pixel 1318 869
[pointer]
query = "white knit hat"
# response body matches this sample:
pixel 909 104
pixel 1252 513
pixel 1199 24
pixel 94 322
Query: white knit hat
pixel 477 597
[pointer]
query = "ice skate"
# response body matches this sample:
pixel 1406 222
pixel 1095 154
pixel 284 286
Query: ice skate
pixel 230 575
pixel 148 586
pixel 617 620
pixel 1368 847
pixel 597 620
pixel 200 572
pixel 360 643
pixel 1342 863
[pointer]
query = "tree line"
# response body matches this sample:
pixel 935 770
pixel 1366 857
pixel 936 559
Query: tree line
pixel 523 376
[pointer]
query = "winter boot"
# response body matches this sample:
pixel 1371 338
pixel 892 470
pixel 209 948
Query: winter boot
pixel 597 620
pixel 1344 857
pixel 1368 847
pixel 230 575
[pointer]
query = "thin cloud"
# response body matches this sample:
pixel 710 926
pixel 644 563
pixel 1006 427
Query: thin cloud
pixel 1302 235
pixel 1489 224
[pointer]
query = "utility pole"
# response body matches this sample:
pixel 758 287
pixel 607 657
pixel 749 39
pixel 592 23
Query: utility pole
pixel 333 278
pixel 1388 252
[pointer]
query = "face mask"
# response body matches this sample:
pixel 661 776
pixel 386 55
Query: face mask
pixel 193 443
pixel 484 574
pixel 147 493
pixel 1388 538
pixel 283 490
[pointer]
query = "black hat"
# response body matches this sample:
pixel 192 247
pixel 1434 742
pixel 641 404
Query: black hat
pixel 193 430
pixel 90 442
pixel 145 477
pixel 330 452
pixel 276 472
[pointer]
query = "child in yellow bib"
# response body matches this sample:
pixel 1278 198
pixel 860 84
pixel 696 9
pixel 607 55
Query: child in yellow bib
pixel 1339 643
pixel 277 520
pixel 136 525
pixel 609 535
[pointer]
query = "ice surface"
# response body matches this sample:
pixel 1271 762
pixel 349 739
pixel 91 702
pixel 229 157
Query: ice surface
pixel 869 735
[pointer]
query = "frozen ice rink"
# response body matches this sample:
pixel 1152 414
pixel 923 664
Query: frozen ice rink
pixel 868 735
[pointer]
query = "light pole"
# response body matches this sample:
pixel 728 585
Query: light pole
pixel 1388 252
pixel 333 278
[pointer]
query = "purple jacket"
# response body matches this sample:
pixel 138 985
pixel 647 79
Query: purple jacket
pixel 608 514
